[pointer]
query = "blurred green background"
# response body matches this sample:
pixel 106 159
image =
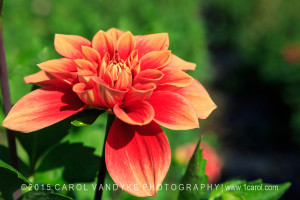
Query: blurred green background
pixel 248 58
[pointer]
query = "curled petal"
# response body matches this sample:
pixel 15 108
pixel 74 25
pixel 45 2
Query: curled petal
pixel 175 77
pixel 85 70
pixel 139 92
pixel 91 55
pixel 196 94
pixel 155 59
pixel 63 69
pixel 86 94
pixel 42 79
pixel 70 45
pixel 124 80
pixel 148 76
pixel 152 42
pixel 133 62
pixel 137 113
pixel 103 66
pixel 107 96
pixel 84 65
pixel 137 155
pixel 114 34
pixel 42 108
pixel 180 64
pixel 126 43
pixel 173 111
pixel 103 43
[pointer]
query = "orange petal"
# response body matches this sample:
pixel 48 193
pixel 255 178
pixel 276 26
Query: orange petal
pixel 42 79
pixel 137 156
pixel 196 94
pixel 173 111
pixel 139 92
pixel 58 65
pixel 138 113
pixel 85 65
pixel 103 43
pixel 63 69
pixel 180 64
pixel 86 94
pixel 91 55
pixel 114 34
pixel 153 42
pixel 126 43
pixel 70 45
pixel 155 59
pixel 42 108
pixel 85 70
pixel 108 96
pixel 148 76
pixel 103 65
pixel 175 77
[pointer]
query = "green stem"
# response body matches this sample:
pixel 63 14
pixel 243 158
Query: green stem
pixel 6 96
pixel 102 169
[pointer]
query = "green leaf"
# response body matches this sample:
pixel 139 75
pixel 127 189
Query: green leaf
pixel 42 194
pixel 38 142
pixel 195 175
pixel 240 189
pixel 75 162
pixel 10 180
pixel 86 117
pixel 5 157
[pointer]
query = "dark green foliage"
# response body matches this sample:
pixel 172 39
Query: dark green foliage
pixel 78 162
pixel 4 156
pixel 43 195
pixel 38 142
pixel 86 117
pixel 10 180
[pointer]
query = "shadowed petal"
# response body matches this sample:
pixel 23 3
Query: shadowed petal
pixel 86 94
pixel 196 94
pixel 107 96
pixel 70 45
pixel 152 42
pixel 126 43
pixel 155 59
pixel 42 108
pixel 103 43
pixel 137 113
pixel 137 155
pixel 63 69
pixel 180 64
pixel 173 111
pixel 42 79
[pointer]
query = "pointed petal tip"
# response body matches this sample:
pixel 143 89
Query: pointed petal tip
pixel 41 108
pixel 8 124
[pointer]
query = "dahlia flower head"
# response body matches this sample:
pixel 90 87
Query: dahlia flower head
pixel 135 78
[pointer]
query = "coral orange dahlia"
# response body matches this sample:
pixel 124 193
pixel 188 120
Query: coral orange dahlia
pixel 133 77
